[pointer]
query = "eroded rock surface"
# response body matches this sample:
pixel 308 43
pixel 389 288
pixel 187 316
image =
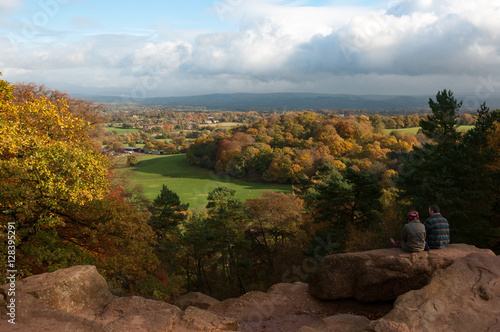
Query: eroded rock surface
pixel 381 274
pixel 463 297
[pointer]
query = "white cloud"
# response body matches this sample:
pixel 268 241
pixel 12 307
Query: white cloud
pixel 414 46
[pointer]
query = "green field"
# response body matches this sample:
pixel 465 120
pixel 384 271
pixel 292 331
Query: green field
pixel 414 130
pixel 191 183
pixel 122 131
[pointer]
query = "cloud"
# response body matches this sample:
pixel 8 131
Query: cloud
pixel 414 46
pixel 413 38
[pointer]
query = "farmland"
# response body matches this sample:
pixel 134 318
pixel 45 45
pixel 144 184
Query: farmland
pixel 414 130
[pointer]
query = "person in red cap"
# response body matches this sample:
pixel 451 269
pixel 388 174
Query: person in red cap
pixel 413 234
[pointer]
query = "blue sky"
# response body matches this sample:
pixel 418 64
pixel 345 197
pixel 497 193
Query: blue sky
pixel 155 48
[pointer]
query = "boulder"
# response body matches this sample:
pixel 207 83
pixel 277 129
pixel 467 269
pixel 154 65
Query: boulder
pixel 32 315
pixel 381 274
pixel 136 313
pixel 79 290
pixel 463 297
pixel 195 299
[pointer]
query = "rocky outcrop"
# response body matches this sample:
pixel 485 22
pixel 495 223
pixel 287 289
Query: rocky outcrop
pixel 463 297
pixel 287 307
pixel 78 289
pixel 78 299
pixel 382 274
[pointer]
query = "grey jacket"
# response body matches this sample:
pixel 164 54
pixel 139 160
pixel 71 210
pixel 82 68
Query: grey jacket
pixel 409 240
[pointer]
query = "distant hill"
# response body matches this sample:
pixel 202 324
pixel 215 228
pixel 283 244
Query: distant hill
pixel 291 101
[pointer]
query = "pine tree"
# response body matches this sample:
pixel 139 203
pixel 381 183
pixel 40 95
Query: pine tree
pixel 442 124
pixel 167 214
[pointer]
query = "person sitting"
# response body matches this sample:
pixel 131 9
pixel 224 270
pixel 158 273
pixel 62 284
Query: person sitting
pixel 437 228
pixel 413 236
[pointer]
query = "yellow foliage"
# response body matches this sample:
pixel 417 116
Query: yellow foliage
pixel 46 155
pixel 340 166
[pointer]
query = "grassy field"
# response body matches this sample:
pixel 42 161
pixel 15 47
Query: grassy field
pixel 191 183
pixel 415 130
pixel 122 131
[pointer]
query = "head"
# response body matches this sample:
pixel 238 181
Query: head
pixel 434 209
pixel 413 215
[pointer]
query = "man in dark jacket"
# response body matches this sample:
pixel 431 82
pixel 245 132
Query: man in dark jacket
pixel 437 228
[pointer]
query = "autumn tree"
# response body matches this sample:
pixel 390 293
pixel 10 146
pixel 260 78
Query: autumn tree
pixel 276 230
pixel 58 190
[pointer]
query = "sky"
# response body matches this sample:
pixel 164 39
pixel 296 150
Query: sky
pixel 150 48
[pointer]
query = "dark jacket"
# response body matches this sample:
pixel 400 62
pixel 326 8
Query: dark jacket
pixel 438 231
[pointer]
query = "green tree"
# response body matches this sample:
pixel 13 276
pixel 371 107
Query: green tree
pixel 442 124
pixel 167 214
pixel 338 200
pixel 226 217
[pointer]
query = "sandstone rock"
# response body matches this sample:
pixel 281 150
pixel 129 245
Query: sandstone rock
pixel 463 297
pixel 78 290
pixel 280 300
pixel 287 307
pixel 195 299
pixel 195 319
pixel 32 315
pixel 138 314
pixel 344 323
pixel 382 274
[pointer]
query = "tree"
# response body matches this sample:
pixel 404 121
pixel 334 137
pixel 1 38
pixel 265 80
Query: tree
pixel 132 160
pixel 275 230
pixel 442 124
pixel 57 188
pixel 167 214
pixel 337 200
pixel 227 220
